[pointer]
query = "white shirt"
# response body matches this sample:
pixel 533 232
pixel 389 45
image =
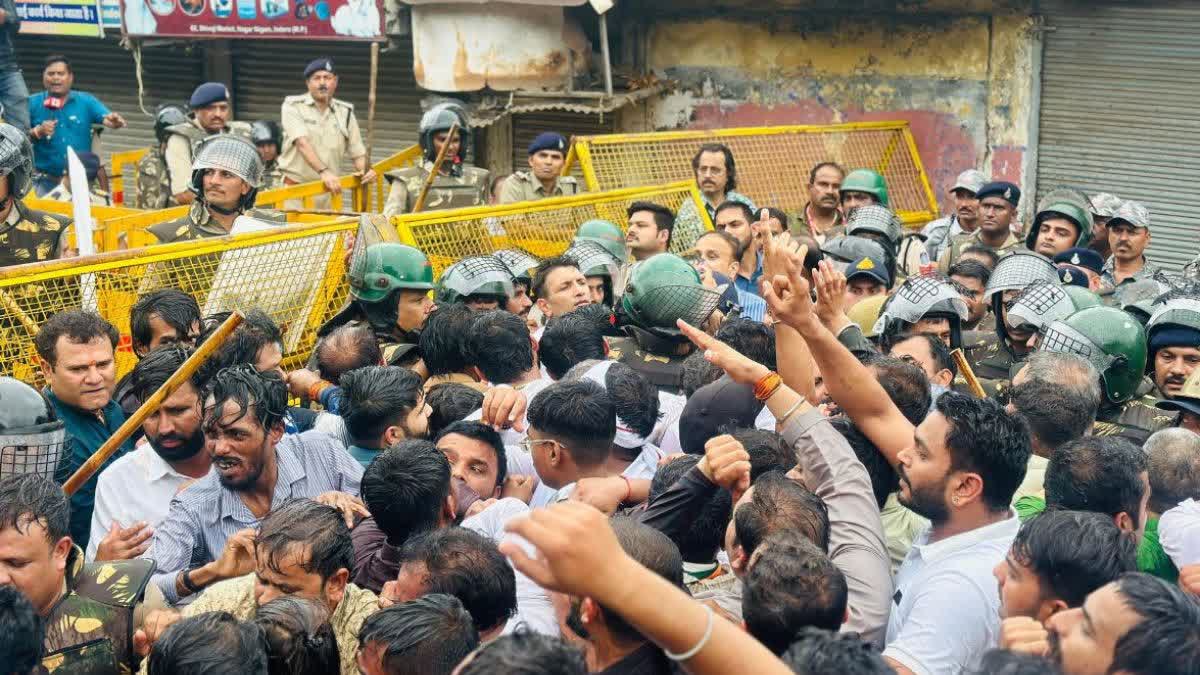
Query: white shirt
pixel 138 486
pixel 946 608
pixel 1179 533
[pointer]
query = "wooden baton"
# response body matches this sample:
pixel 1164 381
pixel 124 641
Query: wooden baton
pixel 967 373
pixel 437 168
pixel 84 473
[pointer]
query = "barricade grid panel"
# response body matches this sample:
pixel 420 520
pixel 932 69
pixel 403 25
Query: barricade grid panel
pixel 773 163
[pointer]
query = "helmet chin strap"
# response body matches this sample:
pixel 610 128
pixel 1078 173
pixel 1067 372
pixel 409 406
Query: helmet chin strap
pixel 222 210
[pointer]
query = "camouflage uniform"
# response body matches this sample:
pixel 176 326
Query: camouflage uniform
pixel 446 192
pixel 523 186
pixel 90 629
pixel 1133 420
pixel 1113 293
pixel 272 176
pixel 153 182
pixel 199 223
pixel 181 145
pixel 31 236
pixel 990 360
pixel 954 249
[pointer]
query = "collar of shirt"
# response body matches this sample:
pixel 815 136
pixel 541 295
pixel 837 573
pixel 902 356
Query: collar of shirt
pixel 838 217
pixel 1110 270
pixel 931 553
pixel 362 455
pixel 153 466
pixel 288 470
pixel 75 419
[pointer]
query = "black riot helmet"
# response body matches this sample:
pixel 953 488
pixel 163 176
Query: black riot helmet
pixel 266 131
pixel 168 115
pixel 31 435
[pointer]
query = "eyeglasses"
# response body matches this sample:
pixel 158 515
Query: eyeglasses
pixel 528 443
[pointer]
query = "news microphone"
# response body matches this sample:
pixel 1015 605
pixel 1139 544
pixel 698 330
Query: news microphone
pixel 54 102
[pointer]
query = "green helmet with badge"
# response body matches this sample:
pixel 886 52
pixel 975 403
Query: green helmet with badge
pixel 605 233
pixel 867 181
pixel 386 267
pixel 1063 203
pixel 1110 339
pixel 664 288
pixel 477 276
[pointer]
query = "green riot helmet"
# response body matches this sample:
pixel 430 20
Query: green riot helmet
pixel 867 181
pixel 606 234
pixel 383 268
pixel 664 288
pixel 480 277
pixel 1063 203
pixel 1081 297
pixel 520 263
pixel 1110 339
pixel 440 118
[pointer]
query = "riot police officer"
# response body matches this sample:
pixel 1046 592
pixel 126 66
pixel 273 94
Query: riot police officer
pixel 599 266
pixel 605 233
pixel 26 235
pixel 153 181
pixel 923 305
pixel 521 264
pixel 862 187
pixel 210 116
pixel 480 282
pixel 992 353
pixel 1173 333
pixel 457 184
pixel 1063 221
pixel 267 137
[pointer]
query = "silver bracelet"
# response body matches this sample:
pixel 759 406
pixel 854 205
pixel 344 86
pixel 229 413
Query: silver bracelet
pixel 699 645
pixel 791 410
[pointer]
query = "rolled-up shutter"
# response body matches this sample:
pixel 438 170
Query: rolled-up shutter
pixel 1120 112
pixel 267 71
pixel 103 68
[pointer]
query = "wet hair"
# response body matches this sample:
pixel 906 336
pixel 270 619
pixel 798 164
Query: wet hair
pixel 1059 397
pixel 984 439
pixel 524 652
pixel 884 480
pixel 451 402
pixel 442 338
pixel 305 523
pixel 730 166
pixel 578 414
pixel 816 651
pixel 990 254
pixel 153 371
pixel 767 449
pixel 905 384
pixel 1167 639
pixel 698 372
pixel 27 498
pixel 705 533
pixel 298 636
pixel 210 643
pixel 569 340
pixel 1073 552
pixel 430 635
pixel 375 398
pixel 1174 456
pixel 174 307
pixel 405 487
pixel 21 632
pixel 541 274
pixel 478 431
pixel 634 398
pixel 791 584
pixel 812 174
pixel 971 269
pixel 651 549
pixel 1102 474
pixel 498 344
pixel 468 566
pixel 256 332
pixel 348 347
pixel 262 394
pixel 664 219
pixel 78 326
pixel 779 503
pixel 753 339
pixel 1005 662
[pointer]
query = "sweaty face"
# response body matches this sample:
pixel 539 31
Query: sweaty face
pixel 238 445
pixel 915 350
pixel 717 255
pixel 643 237
pixel 1082 639
pixel 996 215
pixel 212 117
pixel 925 469
pixel 1020 589
pixel 83 374
pixel 966 205
pixel 546 164
pixel 1055 235
pixel 824 190
pixel 322 84
pixel 734 222
pixel 1172 365
pixel 174 429
pixel 288 577
pixel 223 189
pixel 472 461
pixel 711 174
pixel 57 78
pixel 862 287
pixel 1128 243
pixel 412 308
pixel 566 289
pixel 33 564
pixel 973 296
pixel 853 200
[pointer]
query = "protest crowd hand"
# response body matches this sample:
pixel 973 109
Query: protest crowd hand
pixel 778 251
pixel 727 464
pixel 1189 579
pixel 518 486
pixel 739 367
pixel 477 507
pixel 606 493
pixel 153 627
pixel 124 543
pixel 299 382
pixel 237 559
pixel 349 505
pixel 504 408
pixel 1025 635
pixel 789 299
pixel 830 287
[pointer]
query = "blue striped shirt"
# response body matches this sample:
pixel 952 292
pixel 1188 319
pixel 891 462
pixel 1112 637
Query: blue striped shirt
pixel 753 307
pixel 206 514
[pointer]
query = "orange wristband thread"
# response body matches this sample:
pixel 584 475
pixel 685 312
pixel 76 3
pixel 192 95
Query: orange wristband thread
pixel 767 386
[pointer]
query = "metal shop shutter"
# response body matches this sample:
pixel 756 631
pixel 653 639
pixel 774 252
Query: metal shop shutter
pixel 267 71
pixel 527 126
pixel 1120 112
pixel 103 68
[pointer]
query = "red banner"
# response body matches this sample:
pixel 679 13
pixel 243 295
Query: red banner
pixel 255 19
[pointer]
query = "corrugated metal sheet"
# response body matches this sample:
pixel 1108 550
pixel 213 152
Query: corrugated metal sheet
pixel 266 72
pixel 1120 112
pixel 103 68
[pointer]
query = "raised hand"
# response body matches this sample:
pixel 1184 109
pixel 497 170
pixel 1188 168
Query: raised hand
pixel 727 464
pixel 830 285
pixel 788 297
pixel 349 505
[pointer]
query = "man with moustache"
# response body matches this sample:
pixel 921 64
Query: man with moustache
pixel 1173 333
pixel 134 494
pixel 211 112
pixel 965 218
pixel 256 468
pixel 821 218
pixel 997 207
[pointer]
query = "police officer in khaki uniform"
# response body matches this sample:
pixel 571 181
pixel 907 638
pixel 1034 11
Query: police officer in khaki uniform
pixel 997 207
pixel 320 131
pixel 547 154
pixel 210 116
pixel 26 235
pixel 457 184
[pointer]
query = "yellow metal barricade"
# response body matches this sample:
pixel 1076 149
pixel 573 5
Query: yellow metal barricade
pixel 124 165
pixel 103 236
pixel 773 163
pixel 544 227
pixel 295 274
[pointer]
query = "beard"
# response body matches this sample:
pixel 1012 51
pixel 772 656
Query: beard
pixel 187 448
pixel 254 469
pixel 574 622
pixel 927 502
pixel 1055 651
